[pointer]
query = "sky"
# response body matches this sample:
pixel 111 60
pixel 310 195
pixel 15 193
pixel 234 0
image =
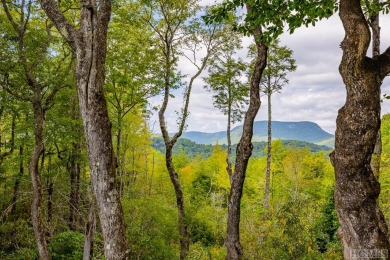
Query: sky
pixel 315 91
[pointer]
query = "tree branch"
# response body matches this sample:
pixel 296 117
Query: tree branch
pixel 384 63
pixel 67 30
pixel 6 86
pixel 9 16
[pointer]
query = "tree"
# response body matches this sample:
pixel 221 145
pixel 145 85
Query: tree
pixel 129 84
pixel 28 80
pixel 225 80
pixel 244 148
pixel 362 225
pixel 179 34
pixel 264 21
pixel 279 63
pixel 89 42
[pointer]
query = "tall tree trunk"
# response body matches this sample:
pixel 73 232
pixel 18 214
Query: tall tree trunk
pixel 269 147
pixel 229 140
pixel 362 225
pixel 119 157
pixel 244 151
pixel 89 230
pixel 18 179
pixel 182 225
pixel 90 45
pixel 375 29
pixel 169 143
pixel 74 170
pixel 36 206
pixel 50 190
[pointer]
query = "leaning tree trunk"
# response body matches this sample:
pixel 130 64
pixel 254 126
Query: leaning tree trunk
pixel 362 225
pixel 269 147
pixel 182 225
pixel 89 42
pixel 244 151
pixel 36 206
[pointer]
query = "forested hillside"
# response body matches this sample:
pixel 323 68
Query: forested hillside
pixel 192 149
pixel 96 98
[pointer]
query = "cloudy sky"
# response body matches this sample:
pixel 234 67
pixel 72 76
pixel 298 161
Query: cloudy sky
pixel 315 92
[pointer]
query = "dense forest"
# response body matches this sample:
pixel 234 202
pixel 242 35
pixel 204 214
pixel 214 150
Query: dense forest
pixel 84 174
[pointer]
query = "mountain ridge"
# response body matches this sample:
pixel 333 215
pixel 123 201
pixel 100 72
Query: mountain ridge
pixel 306 131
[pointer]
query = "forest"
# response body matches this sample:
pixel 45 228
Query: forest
pixel 85 174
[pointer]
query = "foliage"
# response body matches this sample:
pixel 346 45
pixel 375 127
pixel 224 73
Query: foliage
pixel 273 15
pixel 302 223
pixel 192 149
pixel 279 63
pixel 67 245
pixel 225 81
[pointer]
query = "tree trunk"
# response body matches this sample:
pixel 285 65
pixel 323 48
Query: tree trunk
pixel 229 140
pixel 89 42
pixel 50 190
pixel 375 29
pixel 89 230
pixel 18 179
pixel 269 147
pixel 74 170
pixel 119 157
pixel 101 157
pixel 182 225
pixel 362 225
pixel 36 206
pixel 244 151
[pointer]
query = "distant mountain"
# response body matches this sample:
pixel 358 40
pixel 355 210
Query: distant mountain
pixel 301 131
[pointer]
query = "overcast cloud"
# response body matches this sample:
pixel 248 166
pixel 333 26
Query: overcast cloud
pixel 315 92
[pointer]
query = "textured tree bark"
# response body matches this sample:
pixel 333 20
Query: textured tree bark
pixel 89 230
pixel 269 147
pixel 182 225
pixel 362 225
pixel 375 29
pixel 244 151
pixel 36 206
pixel 89 43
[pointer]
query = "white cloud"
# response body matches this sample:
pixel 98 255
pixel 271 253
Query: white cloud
pixel 315 92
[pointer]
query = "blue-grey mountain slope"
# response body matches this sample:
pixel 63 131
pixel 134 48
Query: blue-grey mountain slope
pixel 301 131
